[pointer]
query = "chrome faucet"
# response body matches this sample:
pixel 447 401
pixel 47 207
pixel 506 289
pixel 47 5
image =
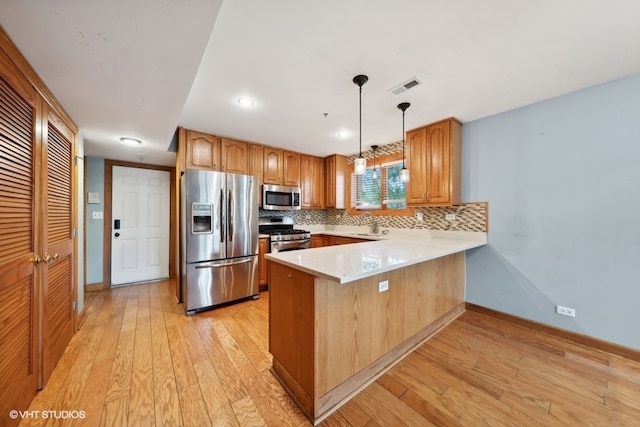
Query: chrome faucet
pixel 373 225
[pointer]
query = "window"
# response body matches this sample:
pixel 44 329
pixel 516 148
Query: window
pixel 385 192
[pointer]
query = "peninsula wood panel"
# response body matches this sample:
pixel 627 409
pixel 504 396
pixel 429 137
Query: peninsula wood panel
pixel 356 324
pixel 291 313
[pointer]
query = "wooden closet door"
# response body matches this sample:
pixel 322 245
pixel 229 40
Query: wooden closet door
pixel 58 318
pixel 20 208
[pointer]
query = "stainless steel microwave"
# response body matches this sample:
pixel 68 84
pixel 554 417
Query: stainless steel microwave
pixel 280 198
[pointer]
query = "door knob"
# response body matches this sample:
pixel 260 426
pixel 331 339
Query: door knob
pixel 47 258
pixel 117 234
pixel 55 256
pixel 37 260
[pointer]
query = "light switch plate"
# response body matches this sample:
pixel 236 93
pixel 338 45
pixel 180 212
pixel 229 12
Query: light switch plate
pixel 97 215
pixel 93 197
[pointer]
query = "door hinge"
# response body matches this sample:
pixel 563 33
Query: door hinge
pixel 75 233
pixel 74 306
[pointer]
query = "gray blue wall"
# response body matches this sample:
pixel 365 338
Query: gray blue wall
pixel 562 178
pixel 94 227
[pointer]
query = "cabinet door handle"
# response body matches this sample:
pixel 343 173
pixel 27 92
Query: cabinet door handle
pixel 55 256
pixel 47 258
pixel 37 260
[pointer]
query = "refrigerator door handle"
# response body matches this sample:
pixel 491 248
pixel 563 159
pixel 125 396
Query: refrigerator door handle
pixel 230 215
pixel 227 264
pixel 221 215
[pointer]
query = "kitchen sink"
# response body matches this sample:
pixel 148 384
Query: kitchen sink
pixel 367 234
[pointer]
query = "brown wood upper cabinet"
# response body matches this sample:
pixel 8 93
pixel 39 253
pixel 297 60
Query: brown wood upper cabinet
pixel 234 156
pixel 203 151
pixel 281 167
pixel 312 181
pixel 434 162
pixel 254 166
pixel 210 152
pixel 335 170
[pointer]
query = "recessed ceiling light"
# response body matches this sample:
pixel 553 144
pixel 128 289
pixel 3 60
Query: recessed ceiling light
pixel 343 134
pixel 246 102
pixel 130 142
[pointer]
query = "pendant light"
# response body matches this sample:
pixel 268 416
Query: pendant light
pixel 360 163
pixel 375 173
pixel 404 173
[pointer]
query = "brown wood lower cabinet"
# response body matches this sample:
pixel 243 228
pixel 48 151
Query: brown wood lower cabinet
pixel 319 241
pixel 329 339
pixel 339 240
pixel 263 248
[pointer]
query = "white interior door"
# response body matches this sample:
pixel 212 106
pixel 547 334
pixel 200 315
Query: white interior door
pixel 140 229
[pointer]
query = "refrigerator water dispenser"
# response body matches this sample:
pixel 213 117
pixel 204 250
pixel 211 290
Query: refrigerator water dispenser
pixel 201 218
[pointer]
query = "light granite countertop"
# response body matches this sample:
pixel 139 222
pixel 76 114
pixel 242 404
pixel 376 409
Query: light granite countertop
pixel 397 249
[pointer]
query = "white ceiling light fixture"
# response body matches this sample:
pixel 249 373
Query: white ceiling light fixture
pixel 130 142
pixel 404 173
pixel 343 134
pixel 360 163
pixel 246 102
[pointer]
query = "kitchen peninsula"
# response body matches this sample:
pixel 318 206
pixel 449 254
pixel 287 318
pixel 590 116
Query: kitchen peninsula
pixel 341 315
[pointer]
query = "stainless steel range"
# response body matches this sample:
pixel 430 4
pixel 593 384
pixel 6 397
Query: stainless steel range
pixel 282 236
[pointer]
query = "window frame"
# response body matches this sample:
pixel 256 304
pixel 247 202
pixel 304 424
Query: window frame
pixel 407 211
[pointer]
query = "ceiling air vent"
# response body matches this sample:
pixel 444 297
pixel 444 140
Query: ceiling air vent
pixel 405 86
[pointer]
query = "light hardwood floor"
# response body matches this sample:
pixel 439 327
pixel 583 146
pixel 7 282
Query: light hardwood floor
pixel 138 360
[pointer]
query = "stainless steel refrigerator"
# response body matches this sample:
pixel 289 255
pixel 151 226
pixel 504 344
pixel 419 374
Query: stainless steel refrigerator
pixel 219 236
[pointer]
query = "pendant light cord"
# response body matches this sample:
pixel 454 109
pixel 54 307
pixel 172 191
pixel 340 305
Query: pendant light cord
pixel 403 107
pixel 403 138
pixel 360 131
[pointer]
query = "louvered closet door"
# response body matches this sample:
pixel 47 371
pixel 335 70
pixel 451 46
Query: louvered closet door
pixel 19 231
pixel 58 314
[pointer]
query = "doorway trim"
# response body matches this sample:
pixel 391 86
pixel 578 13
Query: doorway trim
pixel 108 221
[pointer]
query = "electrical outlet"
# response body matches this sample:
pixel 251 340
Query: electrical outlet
pixel 566 311
pixel 419 216
pixel 338 216
pixel 450 217
pixel 307 216
pixel 383 286
pixel 96 215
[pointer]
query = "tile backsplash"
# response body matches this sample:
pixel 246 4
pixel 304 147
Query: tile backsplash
pixel 468 217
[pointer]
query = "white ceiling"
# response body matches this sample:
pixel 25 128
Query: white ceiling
pixel 142 67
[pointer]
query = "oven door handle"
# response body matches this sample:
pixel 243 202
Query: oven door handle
pixel 292 241
pixel 227 264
